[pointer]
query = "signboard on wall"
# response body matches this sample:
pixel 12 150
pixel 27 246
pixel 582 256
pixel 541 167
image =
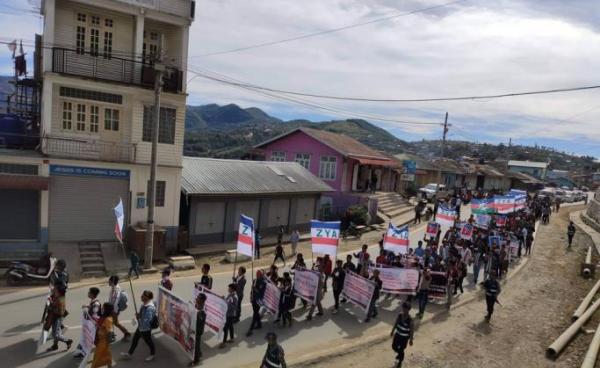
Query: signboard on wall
pixel 407 177
pixel 409 169
pixel 88 171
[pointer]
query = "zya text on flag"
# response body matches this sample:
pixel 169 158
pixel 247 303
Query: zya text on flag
pixel 325 236
pixel 445 216
pixel 396 239
pixel 245 243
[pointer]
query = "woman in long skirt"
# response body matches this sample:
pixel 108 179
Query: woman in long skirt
pixel 102 354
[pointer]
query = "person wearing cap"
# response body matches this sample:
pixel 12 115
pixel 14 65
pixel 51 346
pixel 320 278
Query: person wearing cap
pixel 402 333
pixel 492 290
pixel 256 294
pixel 200 322
pixel 274 356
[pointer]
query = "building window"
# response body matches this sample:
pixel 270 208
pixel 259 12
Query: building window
pixel 108 39
pixel 87 94
pixel 166 132
pixel 150 46
pixel 80 40
pixel 94 41
pixel 160 193
pixel 111 119
pixel 327 167
pixel 67 120
pixel 81 17
pixel 108 23
pixel 303 159
pixel 94 118
pixel 278 156
pixel 95 20
pixel 80 117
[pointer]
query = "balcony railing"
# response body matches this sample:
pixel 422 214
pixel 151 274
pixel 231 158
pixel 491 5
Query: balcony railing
pixel 113 69
pixel 88 150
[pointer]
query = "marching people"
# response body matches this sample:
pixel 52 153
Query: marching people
pixel 102 353
pixel 317 303
pixel 418 212
pixel 54 317
pixel 165 280
pixel 294 239
pixel 91 311
pixel 134 264
pixel 146 321
pixel 327 269
pixel 280 235
pixel 257 239
pixel 279 253
pixel 200 322
pixel 571 232
pixel 118 298
pixel 492 290
pixel 372 312
pixel 363 258
pixel 274 356
pixel 240 285
pixel 206 280
pixel 285 302
pixel 232 305
pixel 337 283
pixel 256 295
pixel 349 265
pixel 423 293
pixel 402 332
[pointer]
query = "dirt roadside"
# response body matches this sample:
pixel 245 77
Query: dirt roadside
pixel 537 307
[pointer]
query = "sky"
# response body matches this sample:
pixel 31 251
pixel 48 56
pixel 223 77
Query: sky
pixel 473 47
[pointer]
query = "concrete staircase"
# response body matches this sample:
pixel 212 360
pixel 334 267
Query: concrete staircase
pixel 392 204
pixel 92 261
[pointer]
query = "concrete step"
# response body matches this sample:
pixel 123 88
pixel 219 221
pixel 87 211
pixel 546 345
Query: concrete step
pixel 90 254
pixel 392 206
pixel 399 211
pixel 92 266
pixel 95 259
pixel 93 274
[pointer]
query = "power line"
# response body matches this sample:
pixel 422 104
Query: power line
pixel 328 31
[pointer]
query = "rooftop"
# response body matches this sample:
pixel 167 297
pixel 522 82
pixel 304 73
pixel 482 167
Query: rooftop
pixel 422 163
pixel 539 165
pixel 208 176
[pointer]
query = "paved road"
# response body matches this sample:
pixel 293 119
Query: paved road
pixel 21 311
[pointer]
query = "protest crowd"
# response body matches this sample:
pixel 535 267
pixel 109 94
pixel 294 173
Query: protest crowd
pixel 498 233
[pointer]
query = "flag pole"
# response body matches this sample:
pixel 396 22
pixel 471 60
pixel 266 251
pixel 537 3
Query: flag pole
pixel 235 263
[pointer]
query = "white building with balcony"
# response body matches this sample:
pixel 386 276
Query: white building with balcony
pixel 96 117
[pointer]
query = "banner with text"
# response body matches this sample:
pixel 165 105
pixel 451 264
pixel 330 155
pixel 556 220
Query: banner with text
pixel 396 280
pixel 482 221
pixel 437 288
pixel 177 319
pixel 358 290
pixel 325 237
pixel 271 297
pixel 88 334
pixel 396 239
pixel 445 216
pixel 482 206
pixel 466 232
pixel 504 204
pixel 432 229
pixel 306 284
pixel 215 308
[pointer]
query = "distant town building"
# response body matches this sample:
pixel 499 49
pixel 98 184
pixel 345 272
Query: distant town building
pixel 97 78
pixel 535 169
pixel 345 164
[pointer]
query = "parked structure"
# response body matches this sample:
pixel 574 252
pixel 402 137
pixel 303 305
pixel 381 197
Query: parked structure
pixel 345 164
pixel 426 173
pixel 216 191
pixel 535 169
pixel 486 177
pixel 96 118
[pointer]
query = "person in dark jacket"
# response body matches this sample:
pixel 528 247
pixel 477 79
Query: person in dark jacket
pixel 274 356
pixel 240 285
pixel 402 332
pixel 571 232
pixel 258 291
pixel 378 285
pixel 232 304
pixel 337 283
pixel 206 280
pixel 492 290
pixel 134 266
pixel 200 322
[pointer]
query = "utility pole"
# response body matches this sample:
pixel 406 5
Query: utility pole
pixel 159 69
pixel 439 181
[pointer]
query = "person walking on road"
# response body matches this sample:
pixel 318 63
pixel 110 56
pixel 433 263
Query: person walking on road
pixel 206 280
pixel 402 333
pixel 258 291
pixel 418 211
pixel 571 232
pixel 232 305
pixel 240 285
pixel 134 267
pixel 337 283
pixel 257 239
pixel 294 239
pixel 102 353
pixel 118 299
pixel 423 294
pixel 56 313
pixel 165 280
pixel 372 312
pixel 200 322
pixel 279 254
pixel 274 356
pixel 91 312
pixel 317 304
pixel 146 320
pixel 492 290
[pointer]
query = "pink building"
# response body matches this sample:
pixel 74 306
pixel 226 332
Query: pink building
pixel 348 166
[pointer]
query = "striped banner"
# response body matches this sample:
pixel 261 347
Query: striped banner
pixel 325 237
pixel 396 239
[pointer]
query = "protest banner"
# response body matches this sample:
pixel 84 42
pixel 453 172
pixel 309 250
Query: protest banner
pixel 466 232
pixel 215 308
pixel 500 220
pixel 306 284
pixel 87 338
pixel 513 249
pixel 445 216
pixel 177 319
pixel 358 290
pixel 432 229
pixel 520 199
pixel 482 206
pixel 494 240
pixel 325 237
pixel 396 239
pixel 438 286
pixel 504 204
pixel 271 297
pixel 402 281
pixel 245 241
pixel 482 221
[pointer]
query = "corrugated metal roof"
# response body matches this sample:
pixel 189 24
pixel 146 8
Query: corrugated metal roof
pixel 205 176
